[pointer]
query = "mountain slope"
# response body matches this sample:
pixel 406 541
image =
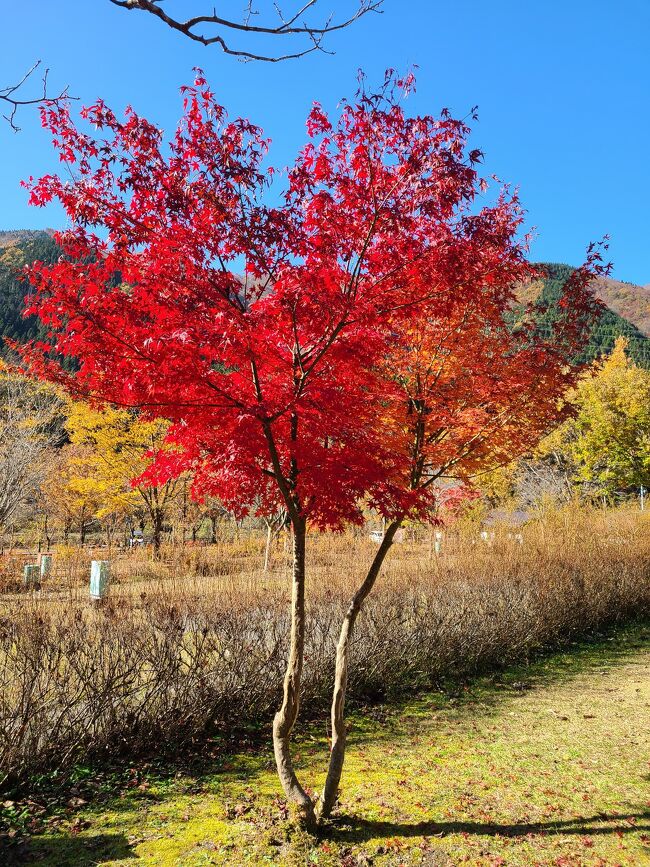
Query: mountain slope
pixel 547 291
pixel 21 247
pixel 18 249
pixel 630 301
pixel 11 237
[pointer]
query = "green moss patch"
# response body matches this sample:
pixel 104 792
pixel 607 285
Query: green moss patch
pixel 545 764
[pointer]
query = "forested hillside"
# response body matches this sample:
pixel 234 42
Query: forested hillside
pixel 630 301
pixel 20 247
pixel 9 237
pixel 604 333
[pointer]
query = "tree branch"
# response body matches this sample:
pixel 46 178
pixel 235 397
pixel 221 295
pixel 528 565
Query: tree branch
pixel 295 25
pixel 11 96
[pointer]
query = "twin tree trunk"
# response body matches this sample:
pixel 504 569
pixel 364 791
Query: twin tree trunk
pixel 339 729
pixel 286 717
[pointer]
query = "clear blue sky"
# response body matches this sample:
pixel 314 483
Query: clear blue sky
pixel 562 86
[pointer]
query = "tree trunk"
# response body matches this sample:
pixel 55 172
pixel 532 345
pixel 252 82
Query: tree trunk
pixel 285 718
pixel 213 525
pixel 339 730
pixel 110 532
pixel 157 521
pixel 267 550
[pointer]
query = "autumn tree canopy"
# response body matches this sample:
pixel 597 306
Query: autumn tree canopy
pixel 344 341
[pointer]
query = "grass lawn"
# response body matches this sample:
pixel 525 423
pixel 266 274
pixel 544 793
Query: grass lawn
pixel 547 764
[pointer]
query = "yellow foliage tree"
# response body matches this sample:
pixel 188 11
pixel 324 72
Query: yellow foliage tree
pixel 115 444
pixel 608 439
pixel 69 493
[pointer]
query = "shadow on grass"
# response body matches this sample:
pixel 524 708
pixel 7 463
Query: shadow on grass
pixel 352 829
pixel 487 690
pixel 239 758
pixel 68 851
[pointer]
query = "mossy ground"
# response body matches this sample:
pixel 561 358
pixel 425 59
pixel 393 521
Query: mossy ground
pixel 545 764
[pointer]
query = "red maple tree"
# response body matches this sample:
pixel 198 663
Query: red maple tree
pixel 350 343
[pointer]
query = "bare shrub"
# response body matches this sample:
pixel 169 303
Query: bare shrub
pixel 162 660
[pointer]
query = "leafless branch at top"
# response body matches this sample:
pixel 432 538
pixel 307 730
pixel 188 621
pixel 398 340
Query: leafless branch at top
pixel 297 26
pixel 15 99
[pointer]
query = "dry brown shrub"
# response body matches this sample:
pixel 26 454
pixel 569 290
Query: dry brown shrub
pixel 167 656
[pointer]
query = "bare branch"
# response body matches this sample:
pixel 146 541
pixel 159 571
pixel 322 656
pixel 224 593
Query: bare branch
pixel 11 96
pixel 29 428
pixel 295 25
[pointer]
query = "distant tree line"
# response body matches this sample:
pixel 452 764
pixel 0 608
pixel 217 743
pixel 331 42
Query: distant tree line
pixel 13 287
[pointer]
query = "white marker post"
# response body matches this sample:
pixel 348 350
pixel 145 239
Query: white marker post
pixel 46 565
pixel 32 576
pixel 487 537
pixel 100 572
pixel 437 545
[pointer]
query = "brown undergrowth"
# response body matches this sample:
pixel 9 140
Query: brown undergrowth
pixel 166 658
